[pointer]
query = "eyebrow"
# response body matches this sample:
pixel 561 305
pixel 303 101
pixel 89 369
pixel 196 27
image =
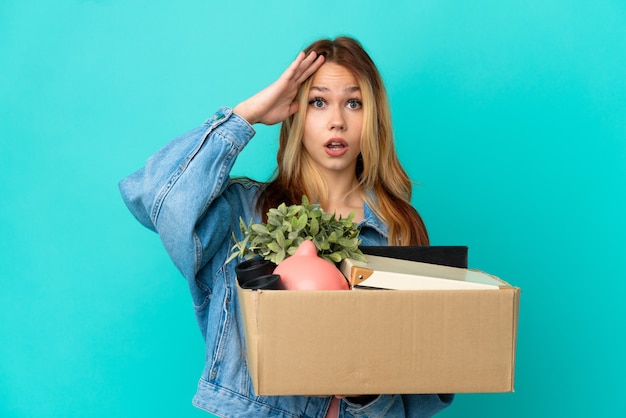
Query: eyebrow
pixel 349 89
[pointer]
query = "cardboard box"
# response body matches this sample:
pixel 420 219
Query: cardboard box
pixel 381 341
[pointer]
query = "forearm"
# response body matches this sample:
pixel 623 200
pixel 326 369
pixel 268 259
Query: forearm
pixel 182 180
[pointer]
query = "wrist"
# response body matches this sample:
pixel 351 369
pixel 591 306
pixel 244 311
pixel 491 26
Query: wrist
pixel 242 110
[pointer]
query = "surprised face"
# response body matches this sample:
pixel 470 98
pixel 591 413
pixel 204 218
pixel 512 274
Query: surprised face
pixel 334 121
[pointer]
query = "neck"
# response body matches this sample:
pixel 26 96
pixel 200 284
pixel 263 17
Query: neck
pixel 344 196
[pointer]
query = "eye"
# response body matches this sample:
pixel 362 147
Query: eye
pixel 317 102
pixel 354 104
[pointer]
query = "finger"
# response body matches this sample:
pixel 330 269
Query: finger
pixel 309 66
pixel 293 107
pixel 299 60
pixel 292 71
pixel 295 69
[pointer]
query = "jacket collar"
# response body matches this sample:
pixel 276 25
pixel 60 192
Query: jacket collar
pixel 371 220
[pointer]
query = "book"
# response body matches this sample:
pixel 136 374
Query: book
pixel 391 273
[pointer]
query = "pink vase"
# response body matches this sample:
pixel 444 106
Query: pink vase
pixel 306 271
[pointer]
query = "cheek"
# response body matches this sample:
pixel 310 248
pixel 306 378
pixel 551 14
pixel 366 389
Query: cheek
pixel 358 134
pixel 306 143
pixel 307 139
pixel 311 122
pixel 357 123
pixel 311 131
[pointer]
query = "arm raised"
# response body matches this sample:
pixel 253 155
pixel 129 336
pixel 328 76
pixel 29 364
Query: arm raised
pixel 276 102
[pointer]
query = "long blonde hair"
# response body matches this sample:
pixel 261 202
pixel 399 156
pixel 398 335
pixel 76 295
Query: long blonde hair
pixel 379 172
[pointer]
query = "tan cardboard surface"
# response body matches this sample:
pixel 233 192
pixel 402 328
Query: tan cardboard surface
pixel 380 341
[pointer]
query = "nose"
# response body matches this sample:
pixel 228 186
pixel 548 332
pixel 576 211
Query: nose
pixel 336 119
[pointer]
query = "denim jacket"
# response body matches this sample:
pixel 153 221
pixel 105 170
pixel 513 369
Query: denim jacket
pixel 185 194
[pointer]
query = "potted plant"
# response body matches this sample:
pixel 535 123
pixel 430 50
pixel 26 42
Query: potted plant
pixel 288 227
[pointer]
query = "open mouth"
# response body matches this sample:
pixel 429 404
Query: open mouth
pixel 336 147
pixel 335 144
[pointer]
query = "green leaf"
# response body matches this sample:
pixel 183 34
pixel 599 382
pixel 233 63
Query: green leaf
pixel 348 242
pixel 334 257
pixel 358 256
pixel 292 250
pixel 274 219
pixel 282 208
pixel 232 256
pixel 274 212
pixel 242 226
pixel 302 221
pixel 314 228
pixel 316 213
pixel 293 210
pixel 260 229
pixel 274 247
pixel 280 239
pixel 323 245
pixel 280 256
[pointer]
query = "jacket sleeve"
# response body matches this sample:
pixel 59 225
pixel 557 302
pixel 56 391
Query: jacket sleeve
pixel 183 184
pixel 408 406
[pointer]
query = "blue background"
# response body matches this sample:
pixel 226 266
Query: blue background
pixel 511 116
